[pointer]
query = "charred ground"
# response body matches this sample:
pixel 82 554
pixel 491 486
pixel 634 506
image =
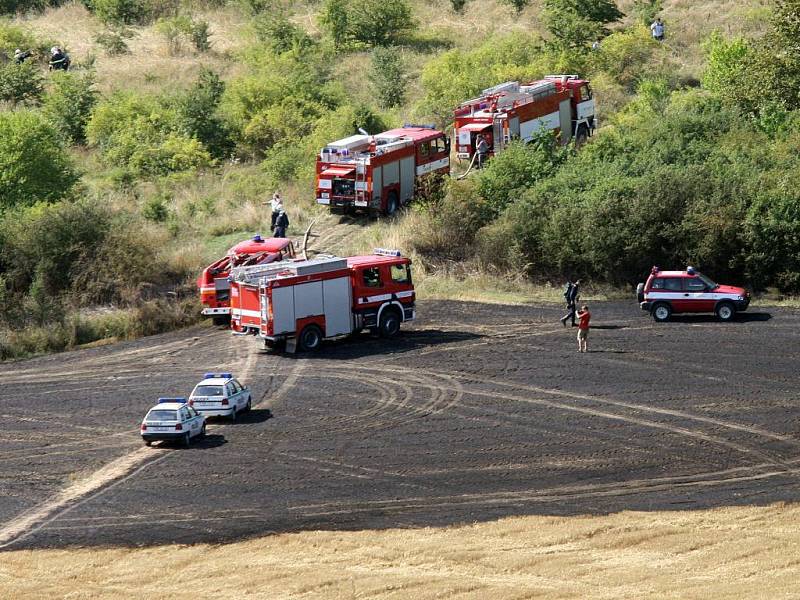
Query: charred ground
pixel 476 412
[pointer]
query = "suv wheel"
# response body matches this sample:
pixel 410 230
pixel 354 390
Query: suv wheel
pixel 725 311
pixel 662 312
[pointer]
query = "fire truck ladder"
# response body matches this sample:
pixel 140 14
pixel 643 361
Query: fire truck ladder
pixel 361 191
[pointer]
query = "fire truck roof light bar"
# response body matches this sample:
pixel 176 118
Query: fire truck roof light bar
pixel 569 77
pixel 426 126
pixel 165 400
pixel 386 252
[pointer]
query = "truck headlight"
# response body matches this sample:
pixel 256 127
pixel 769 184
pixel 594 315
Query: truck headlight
pixel 740 298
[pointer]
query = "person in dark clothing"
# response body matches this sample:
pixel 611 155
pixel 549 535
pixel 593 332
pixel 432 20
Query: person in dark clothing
pixel 482 149
pixel 59 60
pixel 571 296
pixel 20 56
pixel 281 223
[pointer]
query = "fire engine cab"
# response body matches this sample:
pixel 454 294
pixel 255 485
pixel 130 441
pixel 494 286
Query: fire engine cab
pixel 213 282
pixel 377 174
pixel 303 302
pixel 521 111
pixel 689 291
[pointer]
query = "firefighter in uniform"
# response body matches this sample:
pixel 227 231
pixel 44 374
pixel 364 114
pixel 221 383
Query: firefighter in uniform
pixel 572 293
pixel 482 150
pixel 20 56
pixel 281 223
pixel 59 60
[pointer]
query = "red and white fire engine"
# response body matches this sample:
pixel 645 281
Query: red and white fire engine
pixel 303 302
pixel 514 111
pixel 213 282
pixel 377 174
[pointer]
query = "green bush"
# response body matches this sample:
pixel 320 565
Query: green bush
pixel 388 77
pixel 113 41
pixel 127 12
pixel 516 168
pixel 20 84
pixel 181 28
pixel 69 103
pixel 576 23
pixel 517 5
pixel 369 22
pixel 33 164
pixel 144 134
pixel 199 114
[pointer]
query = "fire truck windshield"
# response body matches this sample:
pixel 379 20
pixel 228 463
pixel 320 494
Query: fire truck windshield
pixel 344 187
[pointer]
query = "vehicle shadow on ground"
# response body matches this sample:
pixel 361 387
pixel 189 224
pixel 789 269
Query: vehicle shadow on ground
pixel 366 344
pixel 739 318
pixel 210 440
pixel 252 416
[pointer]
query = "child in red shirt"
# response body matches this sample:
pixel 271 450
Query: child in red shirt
pixel 583 328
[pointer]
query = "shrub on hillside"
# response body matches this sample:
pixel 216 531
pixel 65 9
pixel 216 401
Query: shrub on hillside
pixel 369 22
pixel 199 115
pixel 113 41
pixel 281 35
pixel 628 54
pixel 127 12
pixel 387 74
pixel 516 168
pixel 69 103
pixel 20 84
pixel 576 23
pixel 181 29
pixel 33 164
pixel 143 135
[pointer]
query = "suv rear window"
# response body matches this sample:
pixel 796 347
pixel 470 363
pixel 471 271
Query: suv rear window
pixel 673 284
pixel 208 390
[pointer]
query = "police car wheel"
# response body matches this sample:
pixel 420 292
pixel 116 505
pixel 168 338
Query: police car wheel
pixel 186 440
pixel 390 323
pixel 725 311
pixel 203 431
pixel 148 443
pixel 310 338
pixel 249 404
pixel 233 414
pixel 662 312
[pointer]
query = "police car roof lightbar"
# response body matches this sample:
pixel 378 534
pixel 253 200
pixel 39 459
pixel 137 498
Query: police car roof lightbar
pixel 218 376
pixel 690 270
pixel 163 400
pixel 386 252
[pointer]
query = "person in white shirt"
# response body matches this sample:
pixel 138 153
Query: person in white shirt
pixel 277 207
pixel 657 28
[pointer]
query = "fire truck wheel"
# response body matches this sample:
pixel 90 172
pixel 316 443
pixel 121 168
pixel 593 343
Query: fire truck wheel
pixel 725 311
pixel 392 204
pixel 389 325
pixel 662 312
pixel 310 338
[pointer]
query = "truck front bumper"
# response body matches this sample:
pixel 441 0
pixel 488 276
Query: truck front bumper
pixel 216 311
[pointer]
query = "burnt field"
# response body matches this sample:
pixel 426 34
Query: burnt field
pixel 477 412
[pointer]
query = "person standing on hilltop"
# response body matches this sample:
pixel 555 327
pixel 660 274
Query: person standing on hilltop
pixel 276 205
pixel 657 27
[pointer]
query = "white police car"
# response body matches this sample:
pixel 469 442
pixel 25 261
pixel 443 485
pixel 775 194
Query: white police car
pixel 172 419
pixel 220 395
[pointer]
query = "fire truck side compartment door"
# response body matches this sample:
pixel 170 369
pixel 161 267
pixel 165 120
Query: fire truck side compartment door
pixel 377 183
pixel 308 300
pixel 338 306
pixel 391 173
pixel 283 320
pixel 407 174
pixel 565 118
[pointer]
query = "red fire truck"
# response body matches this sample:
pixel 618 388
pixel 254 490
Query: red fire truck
pixel 213 282
pixel 303 302
pixel 515 111
pixel 377 174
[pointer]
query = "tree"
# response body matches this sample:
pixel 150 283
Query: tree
pixel 33 164
pixel 368 22
pixel 575 23
pixel 20 84
pixel 198 113
pixel 69 103
pixel 518 5
pixel 647 10
pixel 388 77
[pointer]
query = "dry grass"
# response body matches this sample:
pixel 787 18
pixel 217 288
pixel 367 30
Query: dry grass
pixel 729 553
pixel 149 66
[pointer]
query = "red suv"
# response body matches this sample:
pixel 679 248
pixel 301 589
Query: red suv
pixel 689 291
